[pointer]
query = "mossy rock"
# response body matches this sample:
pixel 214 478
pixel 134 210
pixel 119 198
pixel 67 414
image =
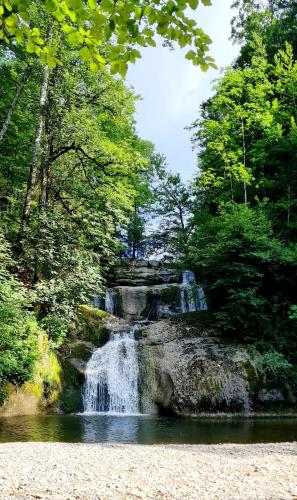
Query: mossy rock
pixel 92 313
pixel 41 393
pixel 70 400
pixel 92 327
pixel 255 378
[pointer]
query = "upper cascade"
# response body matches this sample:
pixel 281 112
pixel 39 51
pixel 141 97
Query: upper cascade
pixel 142 273
pixel 192 298
pixel 153 301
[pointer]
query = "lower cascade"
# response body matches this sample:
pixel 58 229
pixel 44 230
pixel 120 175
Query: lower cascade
pixel 111 378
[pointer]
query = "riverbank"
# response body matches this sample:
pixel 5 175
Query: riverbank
pixel 114 471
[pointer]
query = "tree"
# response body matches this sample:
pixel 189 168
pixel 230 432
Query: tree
pixel 232 122
pixel 248 273
pixel 103 31
pixel 243 242
pixel 88 172
pixel 275 20
pixel 172 211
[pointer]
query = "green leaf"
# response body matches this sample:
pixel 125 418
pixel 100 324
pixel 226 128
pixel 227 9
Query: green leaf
pixel 85 54
pixel 51 5
pixel 106 5
pixel 193 4
pixel 93 66
pixel 92 4
pixel 75 4
pixel 67 28
pixel 74 38
pixel 190 55
pixel 8 5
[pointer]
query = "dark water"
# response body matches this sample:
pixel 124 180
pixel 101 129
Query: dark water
pixel 147 429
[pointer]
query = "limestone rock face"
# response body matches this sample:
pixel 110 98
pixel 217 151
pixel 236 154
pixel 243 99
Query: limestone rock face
pixel 146 302
pixel 187 369
pixel 142 273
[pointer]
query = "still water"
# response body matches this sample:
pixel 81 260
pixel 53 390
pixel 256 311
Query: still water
pixel 147 429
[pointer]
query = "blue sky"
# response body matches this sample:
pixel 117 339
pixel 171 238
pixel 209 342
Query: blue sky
pixel 172 88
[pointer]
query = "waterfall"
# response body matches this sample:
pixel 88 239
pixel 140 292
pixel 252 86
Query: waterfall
pixel 191 298
pixel 111 379
pixel 96 301
pixel 109 302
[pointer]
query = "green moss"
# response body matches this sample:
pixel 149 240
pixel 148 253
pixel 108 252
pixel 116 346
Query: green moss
pixel 89 312
pixel 255 379
pixel 98 336
pixel 35 388
pixel 92 327
pixel 70 396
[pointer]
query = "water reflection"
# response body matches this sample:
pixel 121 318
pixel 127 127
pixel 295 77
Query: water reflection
pixel 147 429
pixel 108 428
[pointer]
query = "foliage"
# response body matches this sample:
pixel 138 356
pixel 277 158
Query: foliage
pixel 244 267
pixel 106 31
pixel 88 167
pixel 18 328
pixel 278 372
pixel 274 19
pixel 173 205
pixel 243 244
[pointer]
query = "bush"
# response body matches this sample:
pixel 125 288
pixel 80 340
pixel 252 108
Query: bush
pixel 18 328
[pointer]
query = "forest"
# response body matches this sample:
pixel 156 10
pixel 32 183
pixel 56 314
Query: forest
pixel 79 189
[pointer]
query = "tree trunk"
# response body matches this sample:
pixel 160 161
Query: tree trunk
pixel 12 107
pixel 44 186
pixel 45 166
pixel 289 206
pixel 36 153
pixel 244 160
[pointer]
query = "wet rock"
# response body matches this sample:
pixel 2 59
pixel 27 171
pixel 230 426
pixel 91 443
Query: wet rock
pixel 189 369
pixel 146 302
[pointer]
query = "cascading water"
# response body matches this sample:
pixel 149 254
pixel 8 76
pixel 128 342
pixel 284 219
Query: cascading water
pixel 192 299
pixel 109 302
pixel 96 301
pixel 111 379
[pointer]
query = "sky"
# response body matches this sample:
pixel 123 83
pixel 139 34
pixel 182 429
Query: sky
pixel 172 89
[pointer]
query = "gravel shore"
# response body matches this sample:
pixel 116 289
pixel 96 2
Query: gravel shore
pixel 63 471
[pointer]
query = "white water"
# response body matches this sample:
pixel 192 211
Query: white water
pixel 111 379
pixel 96 301
pixel 109 302
pixel 192 299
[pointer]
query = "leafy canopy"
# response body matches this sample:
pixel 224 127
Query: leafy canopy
pixel 103 31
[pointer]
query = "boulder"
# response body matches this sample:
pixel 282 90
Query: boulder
pixel 146 302
pixel 187 368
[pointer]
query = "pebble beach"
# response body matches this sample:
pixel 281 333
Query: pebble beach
pixel 63 471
